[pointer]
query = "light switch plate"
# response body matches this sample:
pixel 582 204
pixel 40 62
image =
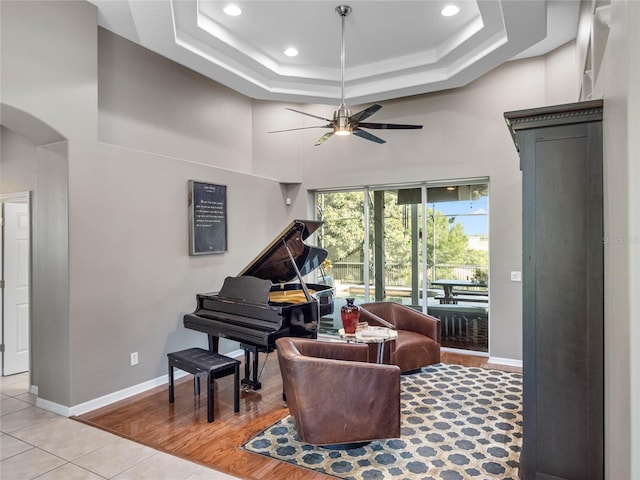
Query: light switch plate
pixel 516 276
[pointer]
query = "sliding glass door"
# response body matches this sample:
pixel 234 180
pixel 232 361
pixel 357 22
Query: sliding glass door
pixel 396 245
pixel 422 245
pixel 458 262
pixel 342 234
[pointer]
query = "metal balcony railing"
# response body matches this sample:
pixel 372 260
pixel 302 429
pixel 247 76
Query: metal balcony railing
pixel 397 274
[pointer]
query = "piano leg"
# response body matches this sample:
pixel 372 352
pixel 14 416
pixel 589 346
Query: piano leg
pixel 250 367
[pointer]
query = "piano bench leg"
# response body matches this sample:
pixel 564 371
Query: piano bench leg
pixel 210 395
pixel 171 393
pixel 196 385
pixel 236 389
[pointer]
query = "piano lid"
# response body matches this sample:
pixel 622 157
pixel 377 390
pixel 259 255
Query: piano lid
pixel 274 263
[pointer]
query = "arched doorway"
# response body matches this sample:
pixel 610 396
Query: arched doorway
pixel 31 150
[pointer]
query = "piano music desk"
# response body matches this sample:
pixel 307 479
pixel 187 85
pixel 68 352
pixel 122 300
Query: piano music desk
pixel 198 361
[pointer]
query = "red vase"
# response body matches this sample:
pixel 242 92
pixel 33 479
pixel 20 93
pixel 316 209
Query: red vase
pixel 350 314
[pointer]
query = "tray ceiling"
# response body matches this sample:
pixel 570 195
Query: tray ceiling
pixel 393 48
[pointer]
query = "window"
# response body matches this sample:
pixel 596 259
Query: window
pixel 411 244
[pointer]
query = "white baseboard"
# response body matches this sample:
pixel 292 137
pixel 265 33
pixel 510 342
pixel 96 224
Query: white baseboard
pixel 53 407
pixel 122 394
pixel 505 361
pixel 495 360
pixel 464 352
pixel 115 396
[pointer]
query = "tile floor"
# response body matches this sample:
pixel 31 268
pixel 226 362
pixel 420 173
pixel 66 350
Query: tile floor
pixel 35 443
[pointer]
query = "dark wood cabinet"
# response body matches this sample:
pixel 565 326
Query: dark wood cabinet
pixel 560 151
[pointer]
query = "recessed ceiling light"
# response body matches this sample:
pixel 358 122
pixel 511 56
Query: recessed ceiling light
pixel 449 11
pixel 232 10
pixel 291 52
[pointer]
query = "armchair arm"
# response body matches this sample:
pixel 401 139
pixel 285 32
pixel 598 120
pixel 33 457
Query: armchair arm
pixel 407 318
pixel 373 319
pixel 333 350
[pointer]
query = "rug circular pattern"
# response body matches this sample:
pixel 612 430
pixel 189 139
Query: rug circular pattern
pixel 457 423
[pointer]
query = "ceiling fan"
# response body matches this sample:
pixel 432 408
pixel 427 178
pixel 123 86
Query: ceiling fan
pixel 344 123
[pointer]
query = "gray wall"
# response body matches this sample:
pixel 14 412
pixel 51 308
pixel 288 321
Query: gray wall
pixel 618 82
pixel 141 107
pixel 131 276
pixel 19 165
pixel 57 84
pixel 50 326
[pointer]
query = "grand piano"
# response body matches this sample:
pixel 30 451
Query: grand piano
pixel 262 303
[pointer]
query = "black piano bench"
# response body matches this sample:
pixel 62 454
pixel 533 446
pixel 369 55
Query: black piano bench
pixel 198 361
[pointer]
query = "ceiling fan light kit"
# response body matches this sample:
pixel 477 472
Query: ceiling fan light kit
pixel 341 121
pixel 344 123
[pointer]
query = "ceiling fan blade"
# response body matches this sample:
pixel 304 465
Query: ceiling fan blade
pixel 367 136
pixel 366 113
pixel 308 114
pixel 342 121
pixel 300 128
pixel 323 139
pixel 388 126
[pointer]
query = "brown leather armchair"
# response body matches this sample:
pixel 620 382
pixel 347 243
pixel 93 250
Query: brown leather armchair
pixel 335 396
pixel 418 343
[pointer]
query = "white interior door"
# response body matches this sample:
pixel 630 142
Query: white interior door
pixel 15 318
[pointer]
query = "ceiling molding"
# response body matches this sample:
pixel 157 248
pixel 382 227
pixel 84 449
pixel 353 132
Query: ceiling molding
pixel 393 48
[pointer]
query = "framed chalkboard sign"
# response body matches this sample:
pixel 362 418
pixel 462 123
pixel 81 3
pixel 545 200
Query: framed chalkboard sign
pixel 207 218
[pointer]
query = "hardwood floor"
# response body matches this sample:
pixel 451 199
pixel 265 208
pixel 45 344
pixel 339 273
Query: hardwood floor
pixel 182 429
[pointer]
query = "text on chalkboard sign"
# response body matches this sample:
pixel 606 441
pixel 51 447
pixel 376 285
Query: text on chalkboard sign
pixel 207 218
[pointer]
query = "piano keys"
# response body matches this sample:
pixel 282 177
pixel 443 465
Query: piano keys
pixel 262 303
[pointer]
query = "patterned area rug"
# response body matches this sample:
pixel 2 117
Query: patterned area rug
pixel 457 423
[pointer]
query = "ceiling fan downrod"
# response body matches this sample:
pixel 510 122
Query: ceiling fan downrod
pixel 342 114
pixel 343 11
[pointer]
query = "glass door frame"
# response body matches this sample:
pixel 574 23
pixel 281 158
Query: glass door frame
pixel 368 192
